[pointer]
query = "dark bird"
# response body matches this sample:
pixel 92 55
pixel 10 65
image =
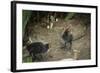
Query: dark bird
pixel 37 48
pixel 67 37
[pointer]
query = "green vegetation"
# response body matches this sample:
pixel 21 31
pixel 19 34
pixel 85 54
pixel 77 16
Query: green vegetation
pixel 25 18
pixel 28 59
pixel 69 16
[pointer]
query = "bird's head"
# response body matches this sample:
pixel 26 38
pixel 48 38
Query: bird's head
pixel 47 46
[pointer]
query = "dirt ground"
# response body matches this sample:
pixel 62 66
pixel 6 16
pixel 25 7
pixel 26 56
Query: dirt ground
pixel 80 48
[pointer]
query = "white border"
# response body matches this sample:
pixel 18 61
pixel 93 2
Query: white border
pixel 21 65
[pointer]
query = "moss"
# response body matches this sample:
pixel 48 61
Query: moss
pixel 27 60
pixel 26 14
pixel 69 16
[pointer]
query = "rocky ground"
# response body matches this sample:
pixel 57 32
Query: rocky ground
pixel 80 48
